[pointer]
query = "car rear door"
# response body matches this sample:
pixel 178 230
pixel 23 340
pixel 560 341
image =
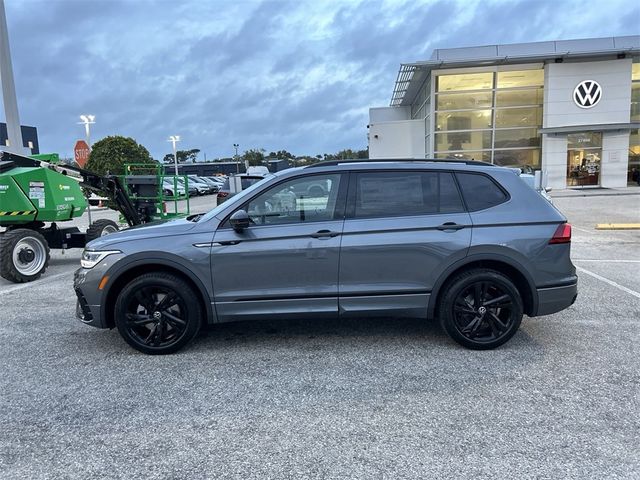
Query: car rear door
pixel 402 228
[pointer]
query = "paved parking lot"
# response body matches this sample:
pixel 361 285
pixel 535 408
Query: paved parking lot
pixel 357 399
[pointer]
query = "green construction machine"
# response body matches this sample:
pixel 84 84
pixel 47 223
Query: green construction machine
pixel 35 196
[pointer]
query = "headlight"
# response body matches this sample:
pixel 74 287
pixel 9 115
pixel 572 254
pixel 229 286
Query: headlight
pixel 90 258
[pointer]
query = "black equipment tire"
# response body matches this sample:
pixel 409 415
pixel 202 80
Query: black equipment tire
pixel 158 313
pixel 481 309
pixel 24 255
pixel 100 228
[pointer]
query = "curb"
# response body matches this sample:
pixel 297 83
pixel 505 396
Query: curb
pixel 618 226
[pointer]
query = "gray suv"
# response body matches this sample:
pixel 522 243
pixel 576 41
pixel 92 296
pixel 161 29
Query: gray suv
pixel 464 242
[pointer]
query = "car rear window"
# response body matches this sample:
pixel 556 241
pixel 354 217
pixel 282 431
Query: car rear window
pixel 392 194
pixel 480 191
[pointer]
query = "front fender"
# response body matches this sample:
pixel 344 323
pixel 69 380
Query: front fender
pixel 162 259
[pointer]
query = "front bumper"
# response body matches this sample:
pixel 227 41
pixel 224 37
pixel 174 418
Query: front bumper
pixel 555 299
pixel 89 298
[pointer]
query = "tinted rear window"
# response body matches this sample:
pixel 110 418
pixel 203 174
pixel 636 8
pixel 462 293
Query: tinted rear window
pixel 392 194
pixel 479 191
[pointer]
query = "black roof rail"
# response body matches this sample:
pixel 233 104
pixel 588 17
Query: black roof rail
pixel 329 163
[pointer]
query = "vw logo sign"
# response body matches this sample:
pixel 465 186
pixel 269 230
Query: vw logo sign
pixel 587 94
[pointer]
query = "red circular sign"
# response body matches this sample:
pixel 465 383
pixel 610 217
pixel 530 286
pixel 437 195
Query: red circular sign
pixel 81 153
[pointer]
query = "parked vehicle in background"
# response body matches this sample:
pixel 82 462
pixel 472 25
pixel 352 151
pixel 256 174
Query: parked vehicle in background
pixel 214 186
pixel 170 189
pixel 202 187
pixel 464 242
pixel 234 184
pixel 193 191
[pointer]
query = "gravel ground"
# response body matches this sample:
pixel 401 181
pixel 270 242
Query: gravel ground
pixel 378 398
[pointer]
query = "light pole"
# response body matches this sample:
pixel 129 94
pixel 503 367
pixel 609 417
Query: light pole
pixel 175 139
pixel 236 145
pixel 86 121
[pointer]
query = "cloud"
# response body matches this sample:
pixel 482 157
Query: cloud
pixel 294 75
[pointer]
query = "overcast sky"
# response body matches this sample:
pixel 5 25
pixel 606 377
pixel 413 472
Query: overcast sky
pixel 295 75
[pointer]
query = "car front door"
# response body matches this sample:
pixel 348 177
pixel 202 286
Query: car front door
pixel 286 262
pixel 402 228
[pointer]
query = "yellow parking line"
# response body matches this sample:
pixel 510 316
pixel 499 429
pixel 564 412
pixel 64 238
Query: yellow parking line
pixel 618 226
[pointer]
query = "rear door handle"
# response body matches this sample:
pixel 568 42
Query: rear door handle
pixel 325 234
pixel 450 226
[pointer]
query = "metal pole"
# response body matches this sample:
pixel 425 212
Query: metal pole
pixel 235 145
pixel 175 157
pixel 14 133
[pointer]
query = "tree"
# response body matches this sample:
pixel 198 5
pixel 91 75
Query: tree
pixel 111 153
pixel 184 156
pixel 255 156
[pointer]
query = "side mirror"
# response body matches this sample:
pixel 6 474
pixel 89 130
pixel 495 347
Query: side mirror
pixel 239 220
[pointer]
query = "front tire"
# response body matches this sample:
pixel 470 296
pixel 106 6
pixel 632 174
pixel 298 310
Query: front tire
pixel 24 255
pixel 158 313
pixel 481 309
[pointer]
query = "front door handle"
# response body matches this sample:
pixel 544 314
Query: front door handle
pixel 450 226
pixel 325 234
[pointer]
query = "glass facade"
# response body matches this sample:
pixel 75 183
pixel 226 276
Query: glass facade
pixel 495 116
pixel 633 174
pixel 584 154
pixel 635 92
pixel 490 116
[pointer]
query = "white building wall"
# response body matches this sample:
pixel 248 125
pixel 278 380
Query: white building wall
pixel 614 76
pixel 554 160
pixel 615 159
pixel 392 134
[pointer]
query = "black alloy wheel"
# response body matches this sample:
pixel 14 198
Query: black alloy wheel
pixel 481 309
pixel 158 313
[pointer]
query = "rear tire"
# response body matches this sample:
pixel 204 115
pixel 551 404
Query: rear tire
pixel 481 309
pixel 24 255
pixel 100 228
pixel 158 313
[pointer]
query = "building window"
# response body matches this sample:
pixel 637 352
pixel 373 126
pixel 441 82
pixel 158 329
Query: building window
pixel 504 130
pixel 464 101
pixel 472 140
pixel 635 91
pixel 519 117
pixel 521 78
pixel 634 158
pixel 465 81
pixel 470 119
pixel 483 156
pixel 517 137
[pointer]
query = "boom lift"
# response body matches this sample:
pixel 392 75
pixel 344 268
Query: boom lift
pixel 34 193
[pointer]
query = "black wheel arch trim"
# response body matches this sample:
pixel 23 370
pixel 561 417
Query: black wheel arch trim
pixel 157 258
pixel 474 258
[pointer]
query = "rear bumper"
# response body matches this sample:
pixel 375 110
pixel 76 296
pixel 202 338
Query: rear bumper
pixel 555 299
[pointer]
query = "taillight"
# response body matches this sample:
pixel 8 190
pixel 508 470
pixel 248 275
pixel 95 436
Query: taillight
pixel 223 194
pixel 562 235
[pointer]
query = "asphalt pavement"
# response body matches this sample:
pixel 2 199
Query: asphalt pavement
pixel 379 398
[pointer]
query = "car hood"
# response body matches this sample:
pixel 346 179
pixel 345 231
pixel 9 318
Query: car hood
pixel 159 228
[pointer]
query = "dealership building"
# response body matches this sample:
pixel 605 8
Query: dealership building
pixel 570 108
